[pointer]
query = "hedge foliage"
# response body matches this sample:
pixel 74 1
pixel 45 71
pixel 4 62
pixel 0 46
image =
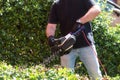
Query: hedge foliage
pixel 22 30
pixel 23 40
pixel 107 43
pixel 39 72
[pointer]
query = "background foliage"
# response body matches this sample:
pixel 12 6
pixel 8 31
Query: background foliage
pixel 107 40
pixel 22 30
pixel 107 43
pixel 23 41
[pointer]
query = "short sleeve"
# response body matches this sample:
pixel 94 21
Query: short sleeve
pixel 53 18
pixel 89 3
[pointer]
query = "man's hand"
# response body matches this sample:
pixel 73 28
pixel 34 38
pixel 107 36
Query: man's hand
pixel 53 44
pixel 77 25
pixel 51 41
pixel 78 28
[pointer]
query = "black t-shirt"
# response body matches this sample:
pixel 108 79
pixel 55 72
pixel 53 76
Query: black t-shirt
pixel 66 12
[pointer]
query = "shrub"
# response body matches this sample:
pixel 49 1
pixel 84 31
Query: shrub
pixel 37 72
pixel 22 30
pixel 107 43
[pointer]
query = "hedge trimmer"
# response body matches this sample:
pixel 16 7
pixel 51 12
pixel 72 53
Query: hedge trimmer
pixel 63 45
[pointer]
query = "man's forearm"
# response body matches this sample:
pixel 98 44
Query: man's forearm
pixel 91 14
pixel 50 30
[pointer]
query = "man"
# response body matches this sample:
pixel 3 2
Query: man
pixel 68 13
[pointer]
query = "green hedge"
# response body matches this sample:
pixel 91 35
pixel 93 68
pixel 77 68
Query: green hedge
pixel 22 30
pixel 107 43
pixel 23 40
pixel 39 72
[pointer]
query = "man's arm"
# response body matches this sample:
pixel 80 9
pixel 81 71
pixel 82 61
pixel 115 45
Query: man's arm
pixel 91 14
pixel 50 29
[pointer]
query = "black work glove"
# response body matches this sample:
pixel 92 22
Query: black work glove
pixel 77 29
pixel 51 41
pixel 53 44
pixel 76 26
